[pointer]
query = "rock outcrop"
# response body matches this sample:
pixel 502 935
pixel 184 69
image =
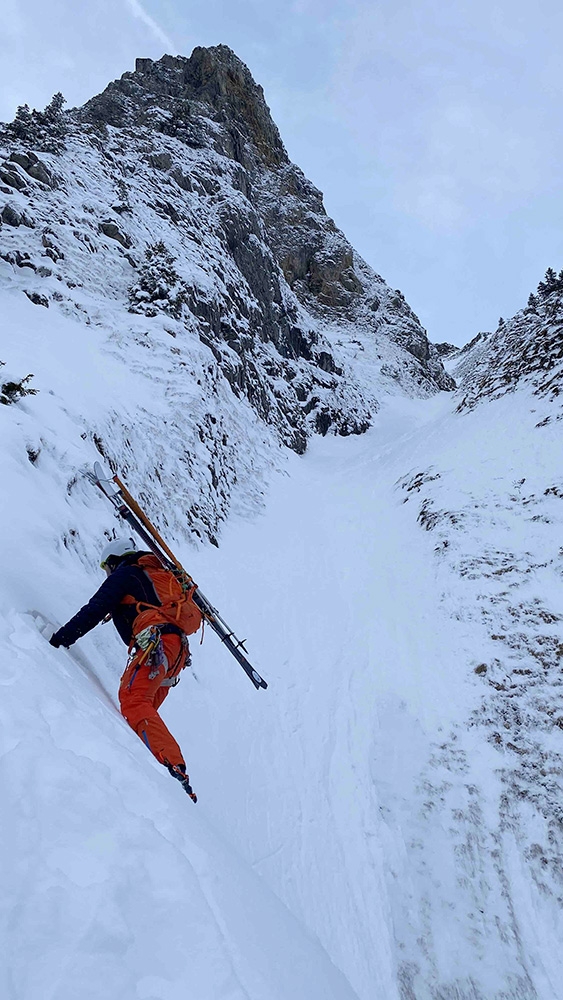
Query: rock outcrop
pixel 211 102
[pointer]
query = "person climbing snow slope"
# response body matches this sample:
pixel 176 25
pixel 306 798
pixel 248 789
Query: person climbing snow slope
pixel 154 616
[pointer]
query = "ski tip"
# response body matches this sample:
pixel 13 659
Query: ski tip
pixel 100 473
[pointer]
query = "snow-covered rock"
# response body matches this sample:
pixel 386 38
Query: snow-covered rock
pixel 172 222
pixel 524 350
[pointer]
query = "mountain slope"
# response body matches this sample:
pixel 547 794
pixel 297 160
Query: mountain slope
pixel 380 787
pixel 405 787
pixel 397 786
pixel 164 223
pixel 111 888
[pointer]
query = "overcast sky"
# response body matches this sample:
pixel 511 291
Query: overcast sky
pixel 433 127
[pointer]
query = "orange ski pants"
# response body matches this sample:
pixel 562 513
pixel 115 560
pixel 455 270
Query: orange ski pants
pixel 141 694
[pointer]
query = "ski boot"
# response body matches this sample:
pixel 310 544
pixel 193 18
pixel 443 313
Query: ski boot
pixel 179 771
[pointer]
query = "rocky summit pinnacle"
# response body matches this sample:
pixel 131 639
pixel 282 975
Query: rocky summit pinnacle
pixel 210 78
pixel 210 103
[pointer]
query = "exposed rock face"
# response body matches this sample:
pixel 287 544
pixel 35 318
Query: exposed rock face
pixel 113 232
pixel 179 96
pixel 215 80
pixel 445 350
pixel 40 173
pixel 11 216
pixel 25 160
pixel 173 211
pixel 12 178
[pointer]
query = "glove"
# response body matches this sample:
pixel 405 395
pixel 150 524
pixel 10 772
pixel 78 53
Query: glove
pixel 57 639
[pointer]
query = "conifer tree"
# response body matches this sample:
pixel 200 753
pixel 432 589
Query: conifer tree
pixel 54 127
pixel 53 111
pixel 159 285
pixel 11 392
pixel 43 129
pixel 548 284
pixel 24 126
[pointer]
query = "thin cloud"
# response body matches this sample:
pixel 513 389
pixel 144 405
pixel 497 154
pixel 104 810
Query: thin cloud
pixel 139 12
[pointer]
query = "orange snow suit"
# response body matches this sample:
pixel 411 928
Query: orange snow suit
pixel 142 691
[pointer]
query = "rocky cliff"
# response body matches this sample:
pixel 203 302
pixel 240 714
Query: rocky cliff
pixel 166 212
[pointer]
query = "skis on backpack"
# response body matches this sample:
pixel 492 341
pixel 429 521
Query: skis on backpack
pixel 127 508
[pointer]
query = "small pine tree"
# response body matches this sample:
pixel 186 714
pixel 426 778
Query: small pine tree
pixel 532 301
pixel 548 284
pixel 53 111
pixel 10 392
pixel 53 125
pixel 158 285
pixel 501 321
pixel 43 129
pixel 24 126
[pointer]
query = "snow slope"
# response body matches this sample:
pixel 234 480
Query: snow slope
pixel 404 786
pixel 384 821
pixel 111 888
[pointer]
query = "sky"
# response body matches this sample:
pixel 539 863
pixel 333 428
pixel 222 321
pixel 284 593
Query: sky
pixel 432 128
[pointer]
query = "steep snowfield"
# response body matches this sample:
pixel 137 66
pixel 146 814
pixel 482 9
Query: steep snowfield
pixel 114 884
pixel 385 821
pixel 405 806
pixel 390 807
pixel 111 888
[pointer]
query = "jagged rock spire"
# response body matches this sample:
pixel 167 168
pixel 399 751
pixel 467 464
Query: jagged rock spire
pixel 213 76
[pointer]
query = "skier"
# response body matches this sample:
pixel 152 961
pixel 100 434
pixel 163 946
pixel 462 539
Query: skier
pixel 152 615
